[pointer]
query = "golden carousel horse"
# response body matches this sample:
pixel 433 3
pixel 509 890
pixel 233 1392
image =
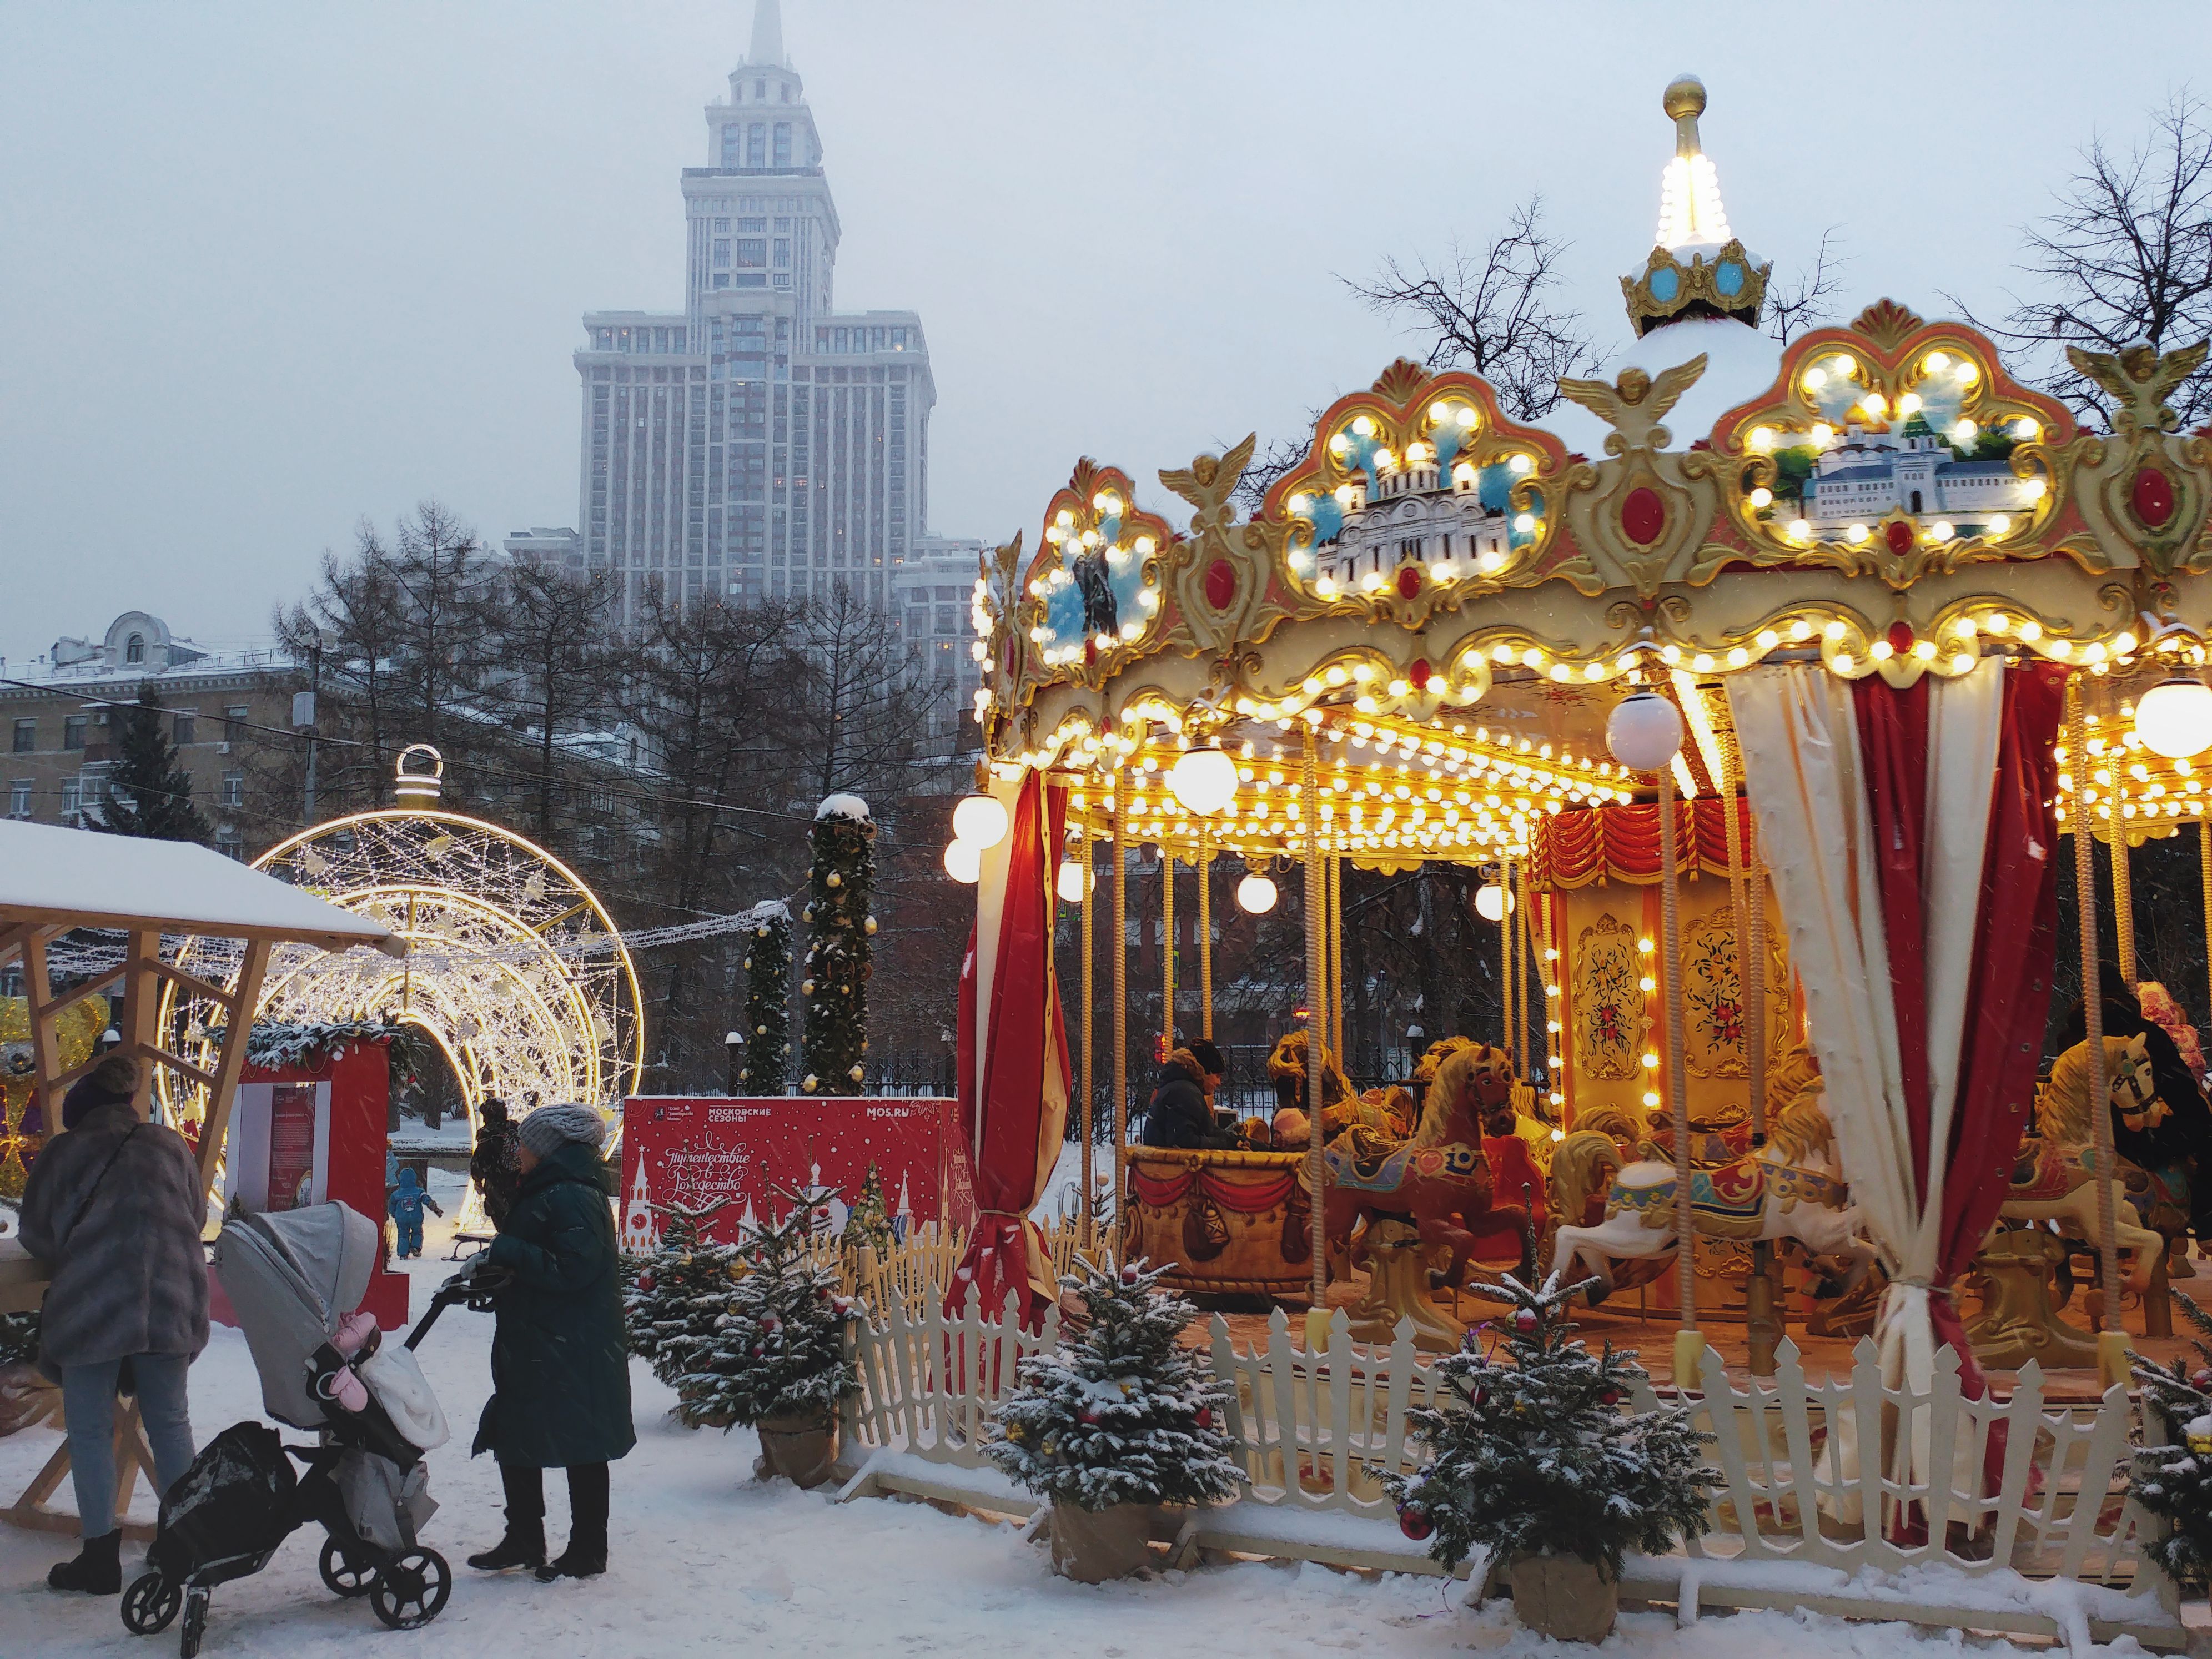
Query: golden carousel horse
pixel 2055 1178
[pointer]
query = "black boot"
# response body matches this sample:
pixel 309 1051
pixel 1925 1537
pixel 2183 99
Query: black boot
pixel 523 1546
pixel 586 1554
pixel 98 1569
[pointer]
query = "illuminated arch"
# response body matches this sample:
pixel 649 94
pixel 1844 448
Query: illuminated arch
pixel 514 968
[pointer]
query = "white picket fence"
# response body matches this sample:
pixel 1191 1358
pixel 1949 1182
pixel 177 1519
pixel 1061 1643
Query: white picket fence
pixel 1799 1516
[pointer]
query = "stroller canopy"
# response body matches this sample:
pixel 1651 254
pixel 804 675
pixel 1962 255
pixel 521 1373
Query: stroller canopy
pixel 292 1276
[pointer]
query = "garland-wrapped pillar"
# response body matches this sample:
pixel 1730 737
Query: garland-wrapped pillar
pixel 2112 1365
pixel 840 947
pixel 1120 803
pixel 1206 936
pixel 767 1070
pixel 1689 1345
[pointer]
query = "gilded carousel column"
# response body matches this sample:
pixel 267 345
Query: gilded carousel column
pixel 1336 956
pixel 1317 900
pixel 1644 733
pixel 1090 885
pixel 1205 934
pixel 1121 1003
pixel 1167 949
pixel 2124 903
pixel 2111 1341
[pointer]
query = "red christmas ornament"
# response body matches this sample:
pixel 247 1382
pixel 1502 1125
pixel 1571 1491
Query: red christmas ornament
pixel 645 1282
pixel 1090 1416
pixel 1642 515
pixel 1610 1397
pixel 1525 1322
pixel 2153 496
pixel 2201 1378
pixel 1205 1418
pixel 1128 1275
pixel 1414 1522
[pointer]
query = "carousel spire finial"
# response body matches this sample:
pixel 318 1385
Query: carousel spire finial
pixel 1697 267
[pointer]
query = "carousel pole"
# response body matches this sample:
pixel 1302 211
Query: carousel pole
pixel 1336 957
pixel 1524 939
pixel 2124 903
pixel 1167 948
pixel 1120 1001
pixel 1089 883
pixel 2204 881
pixel 1506 953
pixel 1689 1345
pixel 1760 1326
pixel 1316 901
pixel 1205 933
pixel 2111 1341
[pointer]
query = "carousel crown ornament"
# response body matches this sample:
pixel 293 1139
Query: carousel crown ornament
pixel 1719 279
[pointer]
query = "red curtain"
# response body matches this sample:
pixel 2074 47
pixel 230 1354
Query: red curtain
pixel 1893 754
pixel 1621 843
pixel 1016 1106
pixel 2015 944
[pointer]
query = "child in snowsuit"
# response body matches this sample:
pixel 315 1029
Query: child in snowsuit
pixel 406 1205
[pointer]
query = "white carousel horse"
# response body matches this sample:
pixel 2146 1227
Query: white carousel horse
pixel 2056 1177
pixel 1788 1189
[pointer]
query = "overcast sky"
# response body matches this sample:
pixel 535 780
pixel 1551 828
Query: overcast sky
pixel 269 269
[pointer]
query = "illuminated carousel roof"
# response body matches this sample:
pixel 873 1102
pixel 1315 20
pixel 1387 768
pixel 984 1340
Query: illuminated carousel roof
pixel 1455 600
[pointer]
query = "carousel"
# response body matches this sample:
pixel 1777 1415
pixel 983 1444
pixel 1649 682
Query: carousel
pixel 1772 687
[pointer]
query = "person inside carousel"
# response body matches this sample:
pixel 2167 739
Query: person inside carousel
pixel 2184 1136
pixel 1181 1114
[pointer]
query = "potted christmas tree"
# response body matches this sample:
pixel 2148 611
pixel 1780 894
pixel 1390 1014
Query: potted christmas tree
pixel 1537 1462
pixel 672 1298
pixel 1111 1428
pixel 776 1359
pixel 2174 1481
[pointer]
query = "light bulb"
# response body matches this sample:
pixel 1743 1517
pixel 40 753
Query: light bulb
pixel 1644 732
pixel 2174 718
pixel 1204 780
pixel 1492 902
pixel 979 821
pixel 1255 895
pixel 1069 882
pixel 963 862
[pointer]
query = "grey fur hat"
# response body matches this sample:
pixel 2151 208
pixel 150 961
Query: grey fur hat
pixel 544 1130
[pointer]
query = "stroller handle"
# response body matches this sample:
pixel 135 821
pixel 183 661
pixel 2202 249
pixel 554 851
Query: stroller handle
pixel 478 1290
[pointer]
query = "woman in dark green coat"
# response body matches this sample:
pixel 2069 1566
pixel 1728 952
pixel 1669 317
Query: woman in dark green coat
pixel 559 1371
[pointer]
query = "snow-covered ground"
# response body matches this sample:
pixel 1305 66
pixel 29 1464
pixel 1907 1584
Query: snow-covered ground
pixel 706 1559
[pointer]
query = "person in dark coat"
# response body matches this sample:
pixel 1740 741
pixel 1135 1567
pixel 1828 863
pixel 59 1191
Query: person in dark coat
pixel 114 1205
pixel 560 1370
pixel 1181 1111
pixel 2185 1136
pixel 493 1165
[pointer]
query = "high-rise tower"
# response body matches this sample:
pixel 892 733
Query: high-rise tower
pixel 760 443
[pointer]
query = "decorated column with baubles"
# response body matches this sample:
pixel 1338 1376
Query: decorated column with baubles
pixel 767 1069
pixel 840 948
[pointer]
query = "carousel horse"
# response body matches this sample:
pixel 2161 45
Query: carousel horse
pixel 1440 1180
pixel 2055 1176
pixel 1520 1121
pixel 1788 1189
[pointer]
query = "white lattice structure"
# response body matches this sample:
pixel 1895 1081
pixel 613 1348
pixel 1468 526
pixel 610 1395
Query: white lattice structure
pixel 514 967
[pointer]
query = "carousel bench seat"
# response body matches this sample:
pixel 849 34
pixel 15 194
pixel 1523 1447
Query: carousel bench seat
pixel 1235 1223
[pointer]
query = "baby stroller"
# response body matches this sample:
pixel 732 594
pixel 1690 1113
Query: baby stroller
pixel 291 1276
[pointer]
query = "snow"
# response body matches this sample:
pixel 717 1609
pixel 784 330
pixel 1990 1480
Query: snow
pixel 707 1560
pixel 112 880
pixel 842 806
pixel 1741 364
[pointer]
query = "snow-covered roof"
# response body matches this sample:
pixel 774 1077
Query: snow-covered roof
pixel 1741 363
pixel 82 878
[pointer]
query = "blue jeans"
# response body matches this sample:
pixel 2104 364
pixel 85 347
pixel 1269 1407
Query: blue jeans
pixel 89 1404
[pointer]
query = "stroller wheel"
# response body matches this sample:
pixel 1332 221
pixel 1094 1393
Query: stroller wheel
pixel 150 1603
pixel 412 1590
pixel 341 1574
pixel 196 1607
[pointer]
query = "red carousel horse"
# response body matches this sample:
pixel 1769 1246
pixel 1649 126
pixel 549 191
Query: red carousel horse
pixel 1440 1180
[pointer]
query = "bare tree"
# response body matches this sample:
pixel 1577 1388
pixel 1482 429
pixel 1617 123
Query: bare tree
pixel 1791 309
pixel 352 615
pixel 866 702
pixel 551 662
pixel 441 573
pixel 2125 256
pixel 1493 311
pixel 1269 464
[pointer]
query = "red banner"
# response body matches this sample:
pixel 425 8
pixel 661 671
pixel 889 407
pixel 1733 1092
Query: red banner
pixel 741 1149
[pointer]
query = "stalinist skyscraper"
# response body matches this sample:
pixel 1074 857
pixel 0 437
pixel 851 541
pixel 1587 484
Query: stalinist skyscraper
pixel 759 443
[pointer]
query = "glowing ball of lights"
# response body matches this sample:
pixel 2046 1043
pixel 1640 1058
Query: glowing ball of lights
pixel 1204 780
pixel 1492 902
pixel 2174 718
pixel 963 862
pixel 979 821
pixel 1644 732
pixel 1255 895
pixel 1070 882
